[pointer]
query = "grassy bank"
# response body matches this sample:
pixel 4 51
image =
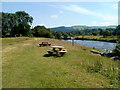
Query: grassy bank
pixel 26 65
pixel 100 38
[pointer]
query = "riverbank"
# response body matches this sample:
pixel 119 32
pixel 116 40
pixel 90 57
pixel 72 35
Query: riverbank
pixel 30 66
pixel 112 39
pixel 101 45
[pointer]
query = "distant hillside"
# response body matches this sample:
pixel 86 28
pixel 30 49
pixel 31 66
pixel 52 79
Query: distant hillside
pixel 80 27
pixel 63 28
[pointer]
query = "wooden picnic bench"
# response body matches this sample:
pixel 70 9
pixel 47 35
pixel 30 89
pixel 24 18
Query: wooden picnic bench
pixel 58 50
pixel 50 51
pixel 62 52
pixel 44 44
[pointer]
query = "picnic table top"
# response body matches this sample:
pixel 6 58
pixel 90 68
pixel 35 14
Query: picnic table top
pixel 63 51
pixel 44 42
pixel 57 47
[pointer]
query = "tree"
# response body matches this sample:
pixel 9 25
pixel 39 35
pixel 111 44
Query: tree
pixel 24 20
pixel 101 31
pixel 106 33
pixel 5 24
pixel 94 33
pixel 16 24
pixel 116 51
pixel 21 29
pixel 58 35
pixel 117 31
pixel 23 17
pixel 41 31
pixel 65 35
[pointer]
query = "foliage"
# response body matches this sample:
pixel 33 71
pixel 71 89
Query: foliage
pixel 19 23
pixel 117 31
pixel 107 33
pixel 16 24
pixel 116 51
pixel 41 31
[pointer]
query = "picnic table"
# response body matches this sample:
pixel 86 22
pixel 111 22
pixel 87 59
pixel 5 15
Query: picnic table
pixel 44 44
pixel 57 50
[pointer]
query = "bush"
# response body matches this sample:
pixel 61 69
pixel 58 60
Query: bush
pixel 116 51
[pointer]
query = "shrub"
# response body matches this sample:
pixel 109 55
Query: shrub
pixel 116 51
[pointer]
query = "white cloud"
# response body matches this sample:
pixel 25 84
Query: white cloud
pixel 54 16
pixel 115 6
pixel 94 23
pixel 81 10
pixel 76 8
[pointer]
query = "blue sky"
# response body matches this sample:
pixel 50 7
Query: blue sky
pixel 53 14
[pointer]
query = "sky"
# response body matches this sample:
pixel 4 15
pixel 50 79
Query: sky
pixel 54 14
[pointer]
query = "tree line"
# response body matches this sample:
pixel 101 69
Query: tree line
pixel 19 24
pixel 16 24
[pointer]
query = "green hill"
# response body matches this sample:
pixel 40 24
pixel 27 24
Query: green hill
pixel 81 27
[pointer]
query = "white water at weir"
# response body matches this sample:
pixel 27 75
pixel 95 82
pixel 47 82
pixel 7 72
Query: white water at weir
pixel 97 44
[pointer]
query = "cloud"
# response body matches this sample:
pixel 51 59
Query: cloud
pixel 115 6
pixel 81 10
pixel 54 16
pixel 76 8
pixel 94 23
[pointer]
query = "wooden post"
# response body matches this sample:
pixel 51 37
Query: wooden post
pixel 72 42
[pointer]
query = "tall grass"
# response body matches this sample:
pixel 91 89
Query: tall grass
pixel 112 71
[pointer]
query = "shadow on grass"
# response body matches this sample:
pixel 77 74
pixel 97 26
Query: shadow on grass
pixel 46 55
pixel 51 55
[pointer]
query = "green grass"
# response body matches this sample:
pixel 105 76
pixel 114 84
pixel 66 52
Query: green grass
pixel 108 38
pixel 26 65
pixel 11 41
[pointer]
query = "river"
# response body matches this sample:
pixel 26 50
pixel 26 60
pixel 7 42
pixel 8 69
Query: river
pixel 97 44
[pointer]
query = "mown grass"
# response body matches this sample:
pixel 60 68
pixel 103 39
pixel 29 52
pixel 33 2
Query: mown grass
pixel 11 41
pixel 28 66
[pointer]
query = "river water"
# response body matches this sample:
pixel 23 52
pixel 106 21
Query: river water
pixel 97 44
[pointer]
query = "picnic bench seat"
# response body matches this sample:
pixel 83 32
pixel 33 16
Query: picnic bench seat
pixel 97 52
pixel 44 44
pixel 62 52
pixel 50 51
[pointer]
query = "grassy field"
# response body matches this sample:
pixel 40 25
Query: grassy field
pixel 26 65
pixel 108 38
